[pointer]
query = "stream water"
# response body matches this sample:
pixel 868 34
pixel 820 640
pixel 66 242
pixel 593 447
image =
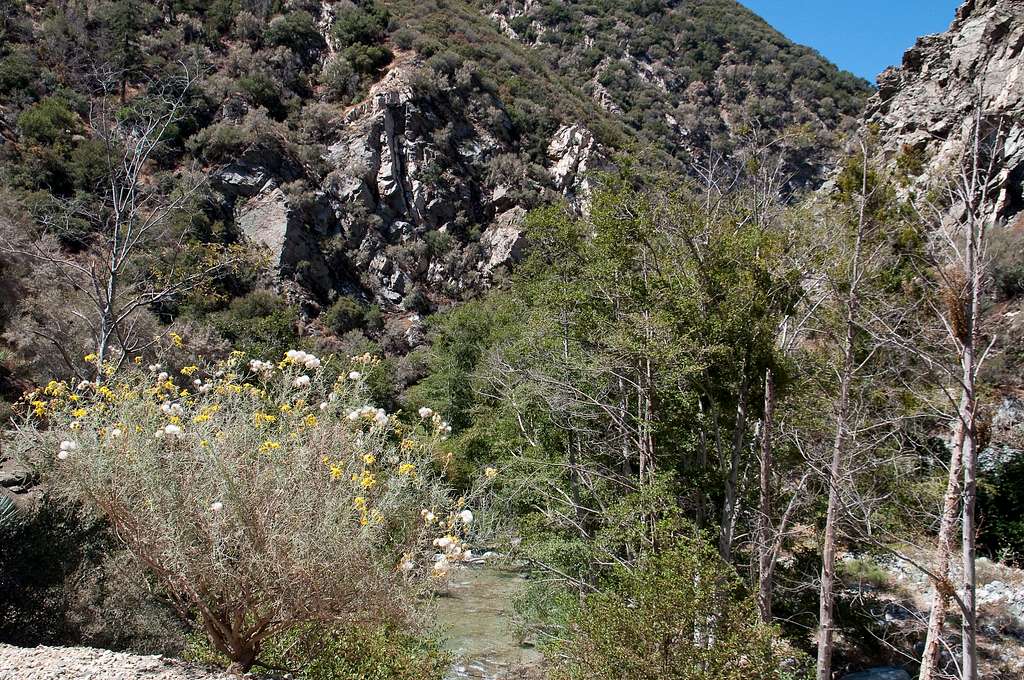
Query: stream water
pixel 476 615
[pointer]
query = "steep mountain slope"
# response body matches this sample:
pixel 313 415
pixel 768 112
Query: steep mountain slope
pixel 686 75
pixel 386 152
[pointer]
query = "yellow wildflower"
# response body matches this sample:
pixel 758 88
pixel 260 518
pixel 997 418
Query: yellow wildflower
pixel 260 418
pixel 369 459
pixel 189 370
pixel 80 413
pixel 269 445
pixel 89 358
pixel 367 480
pixel 407 469
pixel 176 339
pixel 336 472
pixel 310 420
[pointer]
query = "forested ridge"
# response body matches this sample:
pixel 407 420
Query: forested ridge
pixel 311 311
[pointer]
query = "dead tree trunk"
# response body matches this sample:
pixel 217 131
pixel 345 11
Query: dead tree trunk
pixel 942 585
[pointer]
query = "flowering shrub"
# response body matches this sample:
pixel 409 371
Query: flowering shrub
pixel 260 496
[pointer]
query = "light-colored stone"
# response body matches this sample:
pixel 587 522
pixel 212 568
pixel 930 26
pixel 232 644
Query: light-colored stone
pixel 86 663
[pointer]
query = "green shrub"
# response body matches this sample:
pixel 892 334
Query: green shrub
pixel 1007 263
pixel 1001 505
pixel 48 122
pixel 18 70
pixel 367 59
pixel 295 30
pixel 339 78
pixel 261 323
pixel 344 315
pixel 355 653
pixel 224 142
pixel 262 89
pixel 362 24
pixel 679 613
pixel 861 571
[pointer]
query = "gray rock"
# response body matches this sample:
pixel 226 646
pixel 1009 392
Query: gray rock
pixel 574 157
pixel 290 236
pixel 241 179
pixel 503 242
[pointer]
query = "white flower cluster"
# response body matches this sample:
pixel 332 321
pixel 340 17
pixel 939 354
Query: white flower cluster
pixel 300 358
pixel 261 367
pixel 354 375
pixel 172 409
pixel 377 415
pixel 453 550
pixel 171 430
pixel 440 426
pixel 301 381
pixel 66 448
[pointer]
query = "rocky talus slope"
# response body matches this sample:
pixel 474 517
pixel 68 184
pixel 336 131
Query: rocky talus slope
pixel 923 109
pixel 86 663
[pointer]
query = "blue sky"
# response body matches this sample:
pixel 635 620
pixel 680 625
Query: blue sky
pixel 862 36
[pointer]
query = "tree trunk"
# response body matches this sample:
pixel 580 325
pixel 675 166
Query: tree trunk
pixel 968 414
pixel 725 537
pixel 766 559
pixel 942 586
pixel 826 598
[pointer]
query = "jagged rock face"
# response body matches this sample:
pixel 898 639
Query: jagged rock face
pixel 925 106
pixel 411 200
pixel 577 160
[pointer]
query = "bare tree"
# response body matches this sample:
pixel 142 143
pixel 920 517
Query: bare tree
pixel 849 288
pixel 964 222
pixel 136 257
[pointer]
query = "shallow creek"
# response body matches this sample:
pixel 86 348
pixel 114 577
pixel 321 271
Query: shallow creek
pixel 475 615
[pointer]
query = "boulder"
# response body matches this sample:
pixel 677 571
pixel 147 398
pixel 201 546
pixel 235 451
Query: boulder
pixel 503 242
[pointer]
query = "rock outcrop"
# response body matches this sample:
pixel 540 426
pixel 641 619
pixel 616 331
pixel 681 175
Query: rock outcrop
pixel 424 193
pixel 924 108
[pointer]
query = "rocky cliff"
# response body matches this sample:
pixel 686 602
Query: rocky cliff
pixel 924 108
pixel 422 196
